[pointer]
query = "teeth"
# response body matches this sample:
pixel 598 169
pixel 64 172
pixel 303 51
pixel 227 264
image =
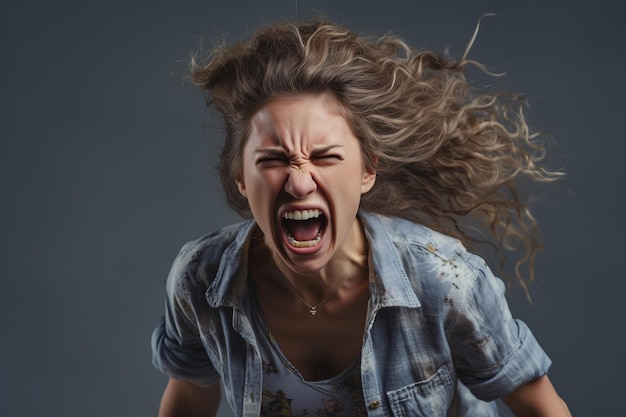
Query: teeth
pixel 301 214
pixel 305 244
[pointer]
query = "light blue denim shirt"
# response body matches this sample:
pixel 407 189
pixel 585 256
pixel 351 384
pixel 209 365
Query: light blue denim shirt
pixel 439 337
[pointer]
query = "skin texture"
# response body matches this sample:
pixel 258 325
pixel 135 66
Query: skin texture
pixel 537 398
pixel 323 346
pixel 301 154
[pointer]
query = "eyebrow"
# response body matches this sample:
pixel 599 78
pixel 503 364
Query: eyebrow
pixel 325 149
pixel 281 152
pixel 270 151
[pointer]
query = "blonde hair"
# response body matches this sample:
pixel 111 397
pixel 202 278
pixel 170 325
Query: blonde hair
pixel 446 156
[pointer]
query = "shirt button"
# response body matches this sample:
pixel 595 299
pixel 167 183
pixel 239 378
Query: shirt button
pixel 374 405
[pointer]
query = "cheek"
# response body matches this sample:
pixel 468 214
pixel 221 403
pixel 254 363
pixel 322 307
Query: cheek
pixel 345 188
pixel 261 189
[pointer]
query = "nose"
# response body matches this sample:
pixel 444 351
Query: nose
pixel 300 183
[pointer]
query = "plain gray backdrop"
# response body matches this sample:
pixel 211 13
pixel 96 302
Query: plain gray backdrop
pixel 107 168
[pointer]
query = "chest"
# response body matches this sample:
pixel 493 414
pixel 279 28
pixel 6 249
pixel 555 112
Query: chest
pixel 323 345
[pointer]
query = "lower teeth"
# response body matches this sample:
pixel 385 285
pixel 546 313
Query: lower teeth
pixel 305 243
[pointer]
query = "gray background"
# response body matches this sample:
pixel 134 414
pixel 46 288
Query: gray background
pixel 107 169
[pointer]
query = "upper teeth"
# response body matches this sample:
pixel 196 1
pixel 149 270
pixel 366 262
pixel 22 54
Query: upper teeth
pixel 301 214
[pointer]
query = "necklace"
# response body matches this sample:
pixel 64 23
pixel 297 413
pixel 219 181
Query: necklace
pixel 313 308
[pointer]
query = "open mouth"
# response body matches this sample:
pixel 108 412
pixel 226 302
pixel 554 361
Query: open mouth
pixel 304 228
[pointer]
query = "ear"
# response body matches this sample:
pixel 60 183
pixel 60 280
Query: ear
pixel 242 188
pixel 369 176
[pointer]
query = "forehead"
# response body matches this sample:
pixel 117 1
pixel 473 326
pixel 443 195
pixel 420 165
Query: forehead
pixel 298 121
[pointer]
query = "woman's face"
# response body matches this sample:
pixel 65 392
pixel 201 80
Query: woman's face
pixel 303 176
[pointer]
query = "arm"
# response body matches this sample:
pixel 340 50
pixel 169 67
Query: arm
pixel 537 398
pixel 186 399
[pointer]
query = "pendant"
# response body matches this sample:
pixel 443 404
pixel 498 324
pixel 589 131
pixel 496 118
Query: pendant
pixel 313 310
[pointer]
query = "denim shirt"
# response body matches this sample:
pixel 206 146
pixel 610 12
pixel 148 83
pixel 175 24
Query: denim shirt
pixel 439 337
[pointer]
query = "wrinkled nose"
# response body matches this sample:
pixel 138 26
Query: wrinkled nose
pixel 300 183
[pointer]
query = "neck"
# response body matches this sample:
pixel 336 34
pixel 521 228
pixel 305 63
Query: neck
pixel 347 266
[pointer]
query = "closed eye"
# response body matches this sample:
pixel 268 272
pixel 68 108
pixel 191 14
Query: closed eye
pixel 261 160
pixel 327 154
pixel 327 159
pixel 271 158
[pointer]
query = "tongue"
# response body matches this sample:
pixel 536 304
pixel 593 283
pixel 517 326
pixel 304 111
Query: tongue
pixel 303 230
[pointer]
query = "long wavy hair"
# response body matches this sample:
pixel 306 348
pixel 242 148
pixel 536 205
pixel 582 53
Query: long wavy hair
pixel 447 155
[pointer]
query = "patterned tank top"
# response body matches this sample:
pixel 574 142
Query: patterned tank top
pixel 287 394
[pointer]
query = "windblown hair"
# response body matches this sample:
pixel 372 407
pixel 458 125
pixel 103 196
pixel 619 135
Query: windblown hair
pixel 446 155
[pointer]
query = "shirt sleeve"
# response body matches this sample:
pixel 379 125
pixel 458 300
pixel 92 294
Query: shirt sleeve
pixel 177 348
pixel 493 353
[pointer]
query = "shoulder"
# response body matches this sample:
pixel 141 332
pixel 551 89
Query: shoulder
pixel 435 264
pixel 199 260
pixel 211 246
pixel 414 239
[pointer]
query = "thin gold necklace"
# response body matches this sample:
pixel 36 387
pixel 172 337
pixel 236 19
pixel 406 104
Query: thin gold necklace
pixel 313 308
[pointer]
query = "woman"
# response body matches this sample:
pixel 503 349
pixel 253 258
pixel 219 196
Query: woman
pixel 364 167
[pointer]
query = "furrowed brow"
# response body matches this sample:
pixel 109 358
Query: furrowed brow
pixel 323 150
pixel 270 152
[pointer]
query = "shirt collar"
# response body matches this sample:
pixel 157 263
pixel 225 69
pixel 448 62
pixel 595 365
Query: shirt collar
pixel 390 283
pixel 230 283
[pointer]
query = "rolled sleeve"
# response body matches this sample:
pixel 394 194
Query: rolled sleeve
pixel 527 362
pixel 177 348
pixel 181 360
pixel 493 353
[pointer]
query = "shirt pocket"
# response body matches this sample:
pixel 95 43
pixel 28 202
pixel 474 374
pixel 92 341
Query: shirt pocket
pixel 428 398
